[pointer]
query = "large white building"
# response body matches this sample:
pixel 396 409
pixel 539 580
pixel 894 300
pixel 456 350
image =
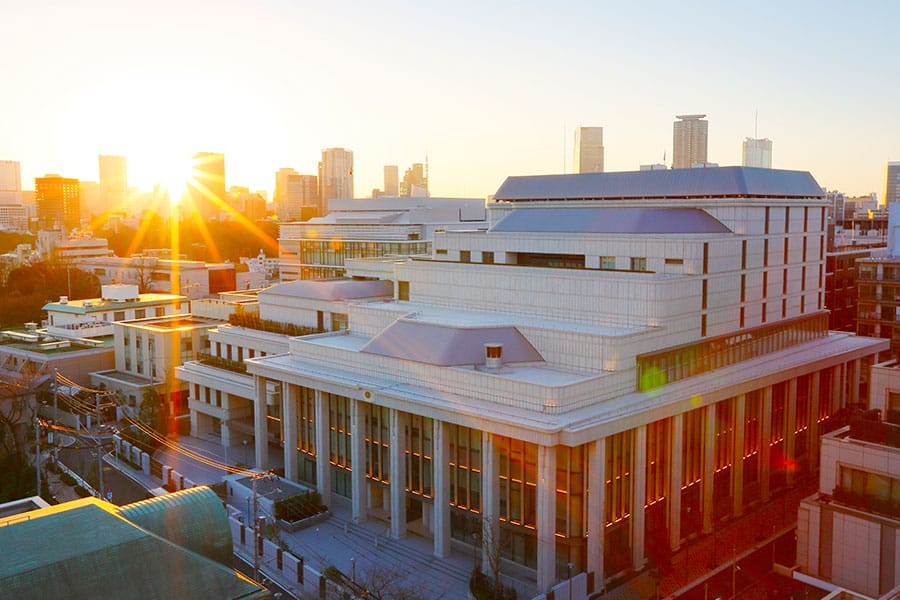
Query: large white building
pixel 370 228
pixel 756 153
pixel 588 150
pixel 617 363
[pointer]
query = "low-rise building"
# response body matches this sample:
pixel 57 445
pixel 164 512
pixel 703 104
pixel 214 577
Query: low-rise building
pixel 117 302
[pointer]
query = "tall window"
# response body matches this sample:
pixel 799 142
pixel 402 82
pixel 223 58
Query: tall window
pixel 638 263
pixel 378 437
pixel 419 450
pixel 465 467
pixel 339 443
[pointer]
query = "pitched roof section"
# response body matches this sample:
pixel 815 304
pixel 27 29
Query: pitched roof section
pixel 86 549
pixel 610 220
pixel 446 346
pixel 672 183
pixel 336 289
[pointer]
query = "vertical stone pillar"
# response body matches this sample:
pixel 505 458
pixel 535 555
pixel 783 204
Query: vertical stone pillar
pixel 358 460
pixel 323 448
pixel 639 497
pixel 260 426
pixel 709 468
pixel 440 464
pixel 737 461
pixel 854 377
pixel 675 476
pixel 813 434
pixel 790 432
pixel 596 506
pixel 546 518
pixel 765 450
pixel 398 474
pixel 490 499
pixel 289 399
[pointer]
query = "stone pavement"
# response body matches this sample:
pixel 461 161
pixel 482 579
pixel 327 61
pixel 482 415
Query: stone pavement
pixel 695 562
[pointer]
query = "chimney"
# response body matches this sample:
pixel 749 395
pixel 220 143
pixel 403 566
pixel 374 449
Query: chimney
pixel 493 355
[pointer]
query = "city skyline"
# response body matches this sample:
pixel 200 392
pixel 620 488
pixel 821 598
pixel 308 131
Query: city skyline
pixel 158 103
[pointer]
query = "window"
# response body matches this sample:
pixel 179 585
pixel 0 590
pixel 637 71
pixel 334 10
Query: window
pixel 140 313
pixel 787 219
pixel 767 220
pixel 742 317
pixel 703 325
pixel 705 258
pixel 744 254
pixel 607 262
pixel 766 253
pixel 675 261
pixel 487 258
pixel 403 290
pixel 638 263
pixel 119 315
pixel 743 288
pixel 465 256
pixel 705 291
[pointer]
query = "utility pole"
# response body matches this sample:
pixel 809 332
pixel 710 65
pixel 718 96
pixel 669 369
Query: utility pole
pixel 99 450
pixel 37 452
pixel 255 531
pixel 55 413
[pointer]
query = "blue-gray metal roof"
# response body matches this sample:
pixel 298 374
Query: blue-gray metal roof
pixel 713 182
pixel 445 345
pixel 610 220
pixel 331 289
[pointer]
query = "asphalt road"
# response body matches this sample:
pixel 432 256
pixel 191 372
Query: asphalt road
pixel 83 460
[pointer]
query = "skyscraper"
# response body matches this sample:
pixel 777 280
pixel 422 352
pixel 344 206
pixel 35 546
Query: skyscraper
pixel 113 174
pixel 756 152
pixel 10 176
pixel 58 202
pixel 892 182
pixel 391 180
pixel 207 190
pixel 281 176
pixel 588 150
pixel 335 175
pixel 415 181
pixel 689 146
pixel 300 200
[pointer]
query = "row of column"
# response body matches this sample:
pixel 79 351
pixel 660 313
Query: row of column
pixel 546 484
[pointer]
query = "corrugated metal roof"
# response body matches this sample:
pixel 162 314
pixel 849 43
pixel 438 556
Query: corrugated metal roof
pixel 610 220
pixel 671 183
pixel 333 289
pixel 445 346
pixel 85 549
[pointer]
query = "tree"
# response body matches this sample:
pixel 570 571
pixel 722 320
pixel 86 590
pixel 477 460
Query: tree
pixel 378 582
pixel 152 411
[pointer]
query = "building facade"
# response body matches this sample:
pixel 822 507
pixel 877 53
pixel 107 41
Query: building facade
pixel 756 153
pixel 891 182
pixel 588 150
pixel 690 133
pixel 58 202
pixel 391 180
pixel 335 174
pixel 370 228
pixel 596 379
pixel 206 190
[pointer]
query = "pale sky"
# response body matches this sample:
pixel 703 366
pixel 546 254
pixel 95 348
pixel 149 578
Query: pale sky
pixel 484 89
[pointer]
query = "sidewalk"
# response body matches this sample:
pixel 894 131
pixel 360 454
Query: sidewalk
pixel 694 563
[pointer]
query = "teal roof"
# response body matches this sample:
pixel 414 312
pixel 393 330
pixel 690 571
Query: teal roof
pixel 88 549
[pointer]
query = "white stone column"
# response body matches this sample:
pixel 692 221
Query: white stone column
pixel 546 518
pixel 790 456
pixel 398 474
pixel 737 461
pixel 638 497
pixel 440 464
pixel 813 434
pixel 707 507
pixel 838 400
pixel 765 450
pixel 289 425
pixel 490 499
pixel 260 425
pixel 596 505
pixel 358 460
pixel 323 448
pixel 856 370
pixel 676 465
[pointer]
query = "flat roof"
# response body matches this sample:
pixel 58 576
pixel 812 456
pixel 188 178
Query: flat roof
pixel 670 183
pixel 331 289
pixel 101 305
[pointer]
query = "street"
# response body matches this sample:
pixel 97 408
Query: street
pixel 83 460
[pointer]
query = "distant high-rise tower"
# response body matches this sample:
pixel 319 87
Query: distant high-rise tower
pixel 10 176
pixel 207 190
pixel 892 182
pixel 756 153
pixel 690 137
pixel 335 175
pixel 113 176
pixel 281 176
pixel 391 180
pixel 58 202
pixel 588 150
pixel 415 181
pixel 300 200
